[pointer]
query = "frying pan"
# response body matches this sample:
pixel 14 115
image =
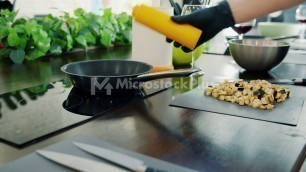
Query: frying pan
pixel 115 75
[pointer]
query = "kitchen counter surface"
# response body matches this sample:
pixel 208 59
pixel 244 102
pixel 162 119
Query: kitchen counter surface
pixel 198 140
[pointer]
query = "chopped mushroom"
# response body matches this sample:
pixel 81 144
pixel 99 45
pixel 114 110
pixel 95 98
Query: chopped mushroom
pixel 256 93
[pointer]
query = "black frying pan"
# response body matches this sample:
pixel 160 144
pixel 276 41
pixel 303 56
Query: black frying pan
pixel 117 75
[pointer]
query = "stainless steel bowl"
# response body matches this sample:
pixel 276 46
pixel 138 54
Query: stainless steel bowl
pixel 258 55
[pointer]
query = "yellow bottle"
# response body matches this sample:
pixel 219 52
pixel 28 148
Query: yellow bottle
pixel 185 34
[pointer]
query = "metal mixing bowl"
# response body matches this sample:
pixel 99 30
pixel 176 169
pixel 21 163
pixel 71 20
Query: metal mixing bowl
pixel 258 54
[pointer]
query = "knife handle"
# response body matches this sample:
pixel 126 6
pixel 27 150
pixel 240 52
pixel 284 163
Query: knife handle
pixel 150 169
pixel 299 81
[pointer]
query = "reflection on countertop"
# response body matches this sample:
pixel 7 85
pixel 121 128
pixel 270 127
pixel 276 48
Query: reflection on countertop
pixel 46 69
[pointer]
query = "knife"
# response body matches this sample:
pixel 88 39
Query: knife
pixel 295 81
pixel 79 163
pixel 123 160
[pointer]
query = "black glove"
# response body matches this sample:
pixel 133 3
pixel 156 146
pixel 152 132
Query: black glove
pixel 6 5
pixel 209 20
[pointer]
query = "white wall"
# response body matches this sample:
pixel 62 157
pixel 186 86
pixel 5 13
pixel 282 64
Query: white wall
pixel 30 8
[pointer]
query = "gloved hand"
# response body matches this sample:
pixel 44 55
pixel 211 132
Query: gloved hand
pixel 209 20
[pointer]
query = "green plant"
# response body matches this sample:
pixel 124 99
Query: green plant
pixel 29 39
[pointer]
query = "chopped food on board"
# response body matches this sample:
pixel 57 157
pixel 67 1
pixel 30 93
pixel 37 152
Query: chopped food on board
pixel 255 93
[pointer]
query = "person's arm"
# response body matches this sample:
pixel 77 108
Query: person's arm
pixel 227 13
pixel 245 10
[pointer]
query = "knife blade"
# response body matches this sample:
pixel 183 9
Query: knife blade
pixel 117 158
pixel 295 81
pixel 78 163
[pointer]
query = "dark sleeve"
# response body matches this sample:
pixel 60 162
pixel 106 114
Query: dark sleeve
pixel 6 5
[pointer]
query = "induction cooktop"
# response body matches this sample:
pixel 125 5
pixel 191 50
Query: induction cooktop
pixel 34 114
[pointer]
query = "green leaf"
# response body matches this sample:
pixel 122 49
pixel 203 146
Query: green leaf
pixel 5 12
pixel 41 40
pixel 57 29
pixel 7 15
pixel 127 35
pixel 49 17
pixel 99 20
pixel 69 42
pixel 30 26
pixel 44 45
pixel 107 25
pixel 66 15
pixel 79 12
pixel 55 49
pixel 30 45
pixel 65 28
pixel 13 15
pixel 13 39
pixel 94 28
pixel 3 32
pixel 20 28
pixel 73 26
pixel 123 17
pixel 46 25
pixel 107 12
pixel 19 21
pixel 90 38
pixel 39 35
pixel 114 22
pixel 23 41
pixel 34 54
pixel 106 38
pixel 82 41
pixel 60 42
pixel 17 56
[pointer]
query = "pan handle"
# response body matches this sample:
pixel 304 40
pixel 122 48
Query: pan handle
pixel 167 74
